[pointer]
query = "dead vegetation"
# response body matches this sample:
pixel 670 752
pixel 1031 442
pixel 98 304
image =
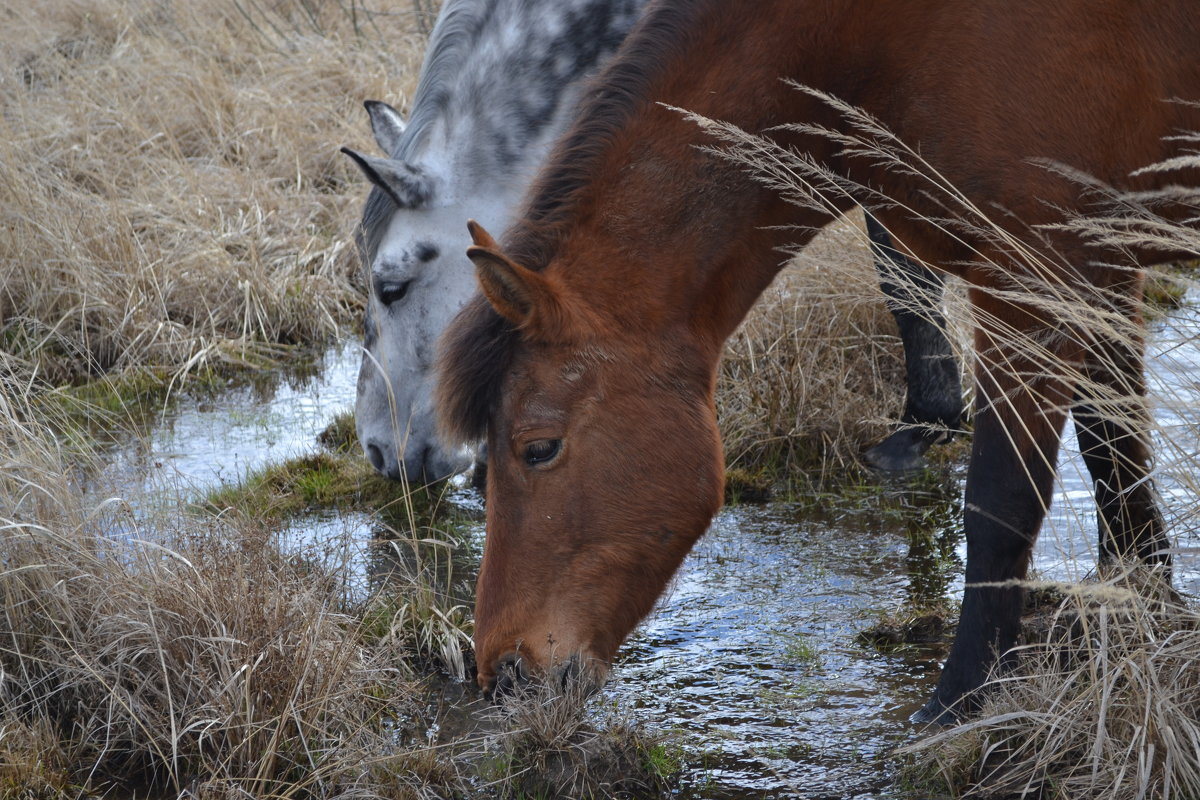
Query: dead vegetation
pixel 181 653
pixel 170 186
pixel 1105 704
pixel 550 748
pixel 816 372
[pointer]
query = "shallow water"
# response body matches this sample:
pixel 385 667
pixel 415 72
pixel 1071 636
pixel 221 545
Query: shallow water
pixel 1067 547
pixel 752 657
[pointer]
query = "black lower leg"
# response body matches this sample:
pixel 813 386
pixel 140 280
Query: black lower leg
pixel 1117 457
pixel 1017 429
pixel 933 405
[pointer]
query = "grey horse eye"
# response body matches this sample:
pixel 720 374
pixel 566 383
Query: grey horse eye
pixel 389 293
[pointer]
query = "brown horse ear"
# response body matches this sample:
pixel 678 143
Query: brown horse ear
pixel 520 295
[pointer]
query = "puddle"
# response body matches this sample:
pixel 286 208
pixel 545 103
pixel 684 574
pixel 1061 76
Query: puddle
pixel 202 443
pixel 752 656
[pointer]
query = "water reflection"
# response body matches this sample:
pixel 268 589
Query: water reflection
pixel 755 654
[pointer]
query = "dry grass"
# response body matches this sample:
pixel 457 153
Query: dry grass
pixel 186 653
pixel 171 193
pixel 551 748
pixel 816 372
pixel 1106 705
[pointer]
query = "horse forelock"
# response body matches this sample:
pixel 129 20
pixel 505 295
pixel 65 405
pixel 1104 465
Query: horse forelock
pixel 609 102
pixel 474 356
pixel 377 213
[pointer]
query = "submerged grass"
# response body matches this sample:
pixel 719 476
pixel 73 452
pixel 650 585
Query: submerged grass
pixel 309 483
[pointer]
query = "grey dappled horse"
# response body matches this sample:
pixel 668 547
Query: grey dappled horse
pixel 500 81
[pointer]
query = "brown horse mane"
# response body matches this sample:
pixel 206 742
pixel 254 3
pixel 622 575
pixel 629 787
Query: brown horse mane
pixel 477 349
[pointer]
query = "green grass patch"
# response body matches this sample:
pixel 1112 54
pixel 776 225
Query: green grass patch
pixel 340 435
pixel 329 481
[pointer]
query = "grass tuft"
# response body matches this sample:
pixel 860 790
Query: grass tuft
pixel 1106 703
pixel 551 748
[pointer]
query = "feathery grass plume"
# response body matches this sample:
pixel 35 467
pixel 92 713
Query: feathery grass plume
pixel 1027 270
pixel 1106 706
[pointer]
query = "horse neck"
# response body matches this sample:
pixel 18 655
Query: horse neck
pixel 662 233
pixel 499 79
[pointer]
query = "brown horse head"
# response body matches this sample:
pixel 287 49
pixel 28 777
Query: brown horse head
pixel 577 550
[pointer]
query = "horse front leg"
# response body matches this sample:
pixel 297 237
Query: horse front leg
pixel 1023 392
pixel 933 404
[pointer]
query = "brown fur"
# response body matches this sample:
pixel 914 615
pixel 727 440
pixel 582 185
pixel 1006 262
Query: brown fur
pixel 658 248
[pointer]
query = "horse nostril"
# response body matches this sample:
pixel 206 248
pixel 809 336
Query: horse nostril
pixel 375 456
pixel 510 678
pixel 568 671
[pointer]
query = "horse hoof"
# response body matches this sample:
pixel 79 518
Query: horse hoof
pixel 934 713
pixel 903 451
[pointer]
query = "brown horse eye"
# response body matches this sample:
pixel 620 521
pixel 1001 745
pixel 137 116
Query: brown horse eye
pixel 542 451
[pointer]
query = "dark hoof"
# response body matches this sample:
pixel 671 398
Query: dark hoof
pixel 903 451
pixel 936 713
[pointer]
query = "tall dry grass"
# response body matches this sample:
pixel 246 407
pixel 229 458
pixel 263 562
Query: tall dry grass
pixel 815 374
pixel 171 191
pixel 176 653
pixel 1106 705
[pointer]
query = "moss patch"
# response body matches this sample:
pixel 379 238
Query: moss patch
pixel 309 483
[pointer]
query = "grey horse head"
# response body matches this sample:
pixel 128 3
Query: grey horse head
pixel 500 81
pixel 412 243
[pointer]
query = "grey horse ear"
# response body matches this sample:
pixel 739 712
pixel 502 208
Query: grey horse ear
pixel 408 186
pixel 387 125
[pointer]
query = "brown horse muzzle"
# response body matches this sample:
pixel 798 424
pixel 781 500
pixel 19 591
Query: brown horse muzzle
pixel 512 675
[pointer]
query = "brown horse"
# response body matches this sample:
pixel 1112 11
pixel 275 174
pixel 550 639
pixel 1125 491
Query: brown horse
pixel 589 363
